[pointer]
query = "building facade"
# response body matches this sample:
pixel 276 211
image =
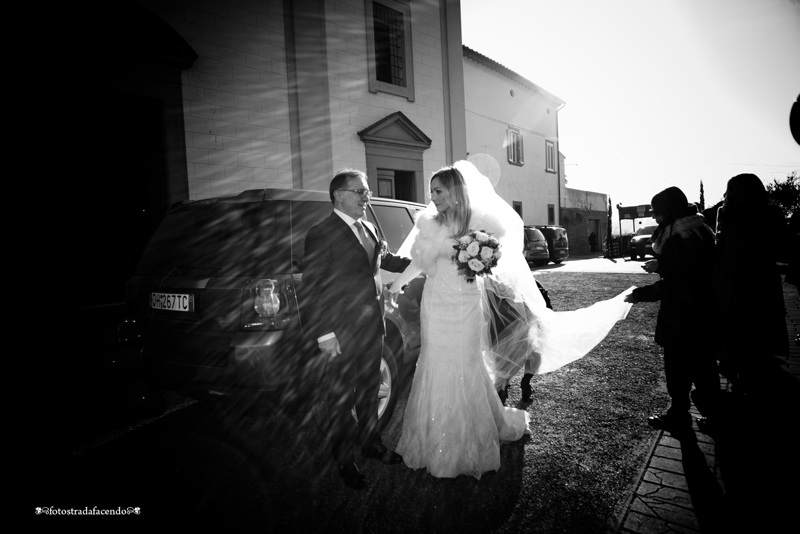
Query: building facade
pixel 515 122
pixel 584 213
pixel 287 94
pixel 173 100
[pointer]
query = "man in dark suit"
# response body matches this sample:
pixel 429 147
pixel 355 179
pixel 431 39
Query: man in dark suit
pixel 342 300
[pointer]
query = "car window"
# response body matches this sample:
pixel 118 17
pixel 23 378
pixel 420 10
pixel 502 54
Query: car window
pixel 395 223
pixel 560 237
pixel 532 234
pixel 647 230
pixel 209 239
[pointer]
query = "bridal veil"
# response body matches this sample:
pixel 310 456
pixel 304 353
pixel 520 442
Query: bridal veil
pixel 518 326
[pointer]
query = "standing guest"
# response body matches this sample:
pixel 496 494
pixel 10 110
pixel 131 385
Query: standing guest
pixel 342 298
pixel 685 248
pixel 593 242
pixel 752 236
pixel 531 364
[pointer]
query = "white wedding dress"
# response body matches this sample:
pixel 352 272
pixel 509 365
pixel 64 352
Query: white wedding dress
pixel 454 420
pixel 478 335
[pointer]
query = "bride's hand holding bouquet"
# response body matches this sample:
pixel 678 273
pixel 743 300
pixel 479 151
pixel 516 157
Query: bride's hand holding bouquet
pixel 476 253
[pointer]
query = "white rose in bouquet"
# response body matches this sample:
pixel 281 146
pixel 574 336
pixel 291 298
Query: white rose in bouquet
pixel 473 249
pixel 463 257
pixel 475 265
pixel 465 239
pixel 482 237
pixel 486 253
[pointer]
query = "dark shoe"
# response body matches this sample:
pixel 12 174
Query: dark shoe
pixel 671 422
pixel 705 426
pixel 525 385
pixel 351 476
pixel 503 394
pixel 379 451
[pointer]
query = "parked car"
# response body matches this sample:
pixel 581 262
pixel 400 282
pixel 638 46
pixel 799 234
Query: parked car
pixel 216 292
pixel 536 250
pixel 641 243
pixel 557 242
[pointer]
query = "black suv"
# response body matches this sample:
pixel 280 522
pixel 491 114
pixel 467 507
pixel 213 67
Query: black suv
pixel 215 297
pixel 641 243
pixel 557 242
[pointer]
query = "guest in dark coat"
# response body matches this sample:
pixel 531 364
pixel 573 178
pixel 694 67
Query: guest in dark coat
pixel 752 236
pixel 685 248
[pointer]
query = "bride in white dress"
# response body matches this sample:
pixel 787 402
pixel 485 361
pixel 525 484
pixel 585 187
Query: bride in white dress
pixel 477 334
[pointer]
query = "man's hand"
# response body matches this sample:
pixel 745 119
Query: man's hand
pixel 331 346
pixel 630 298
pixel 650 266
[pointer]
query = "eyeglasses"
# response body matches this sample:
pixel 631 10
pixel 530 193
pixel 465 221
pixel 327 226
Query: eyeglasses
pixel 360 192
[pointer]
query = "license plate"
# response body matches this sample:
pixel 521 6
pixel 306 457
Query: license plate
pixel 172 302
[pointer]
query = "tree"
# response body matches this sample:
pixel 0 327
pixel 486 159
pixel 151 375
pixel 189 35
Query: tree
pixel 702 197
pixel 786 194
pixel 609 254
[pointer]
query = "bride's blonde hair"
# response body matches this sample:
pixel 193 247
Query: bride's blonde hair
pixel 458 217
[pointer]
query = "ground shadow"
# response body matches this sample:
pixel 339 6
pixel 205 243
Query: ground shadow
pixel 756 450
pixel 249 468
pixel 708 497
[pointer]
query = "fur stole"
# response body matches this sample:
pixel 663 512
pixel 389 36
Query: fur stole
pixel 683 227
pixel 429 240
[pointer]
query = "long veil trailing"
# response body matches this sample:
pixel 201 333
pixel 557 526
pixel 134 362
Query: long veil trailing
pixel 518 324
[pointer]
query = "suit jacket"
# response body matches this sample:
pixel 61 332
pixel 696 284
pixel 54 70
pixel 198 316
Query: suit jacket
pixel 341 289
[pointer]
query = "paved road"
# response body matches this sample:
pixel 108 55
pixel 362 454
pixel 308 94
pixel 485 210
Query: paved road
pixel 594 264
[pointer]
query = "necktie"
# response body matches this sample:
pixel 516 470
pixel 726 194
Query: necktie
pixel 365 240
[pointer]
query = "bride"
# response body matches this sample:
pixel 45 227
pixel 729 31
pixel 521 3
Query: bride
pixel 476 334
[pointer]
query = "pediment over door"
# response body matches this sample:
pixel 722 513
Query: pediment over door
pixel 395 129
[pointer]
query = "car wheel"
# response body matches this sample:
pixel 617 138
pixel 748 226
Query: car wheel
pixel 388 392
pixel 633 256
pixel 540 263
pixel 557 262
pixel 390 387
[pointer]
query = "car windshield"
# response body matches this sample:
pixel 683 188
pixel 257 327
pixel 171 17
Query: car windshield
pixel 647 230
pixel 532 234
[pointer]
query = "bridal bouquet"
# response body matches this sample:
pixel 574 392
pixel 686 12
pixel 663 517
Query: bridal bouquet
pixel 476 254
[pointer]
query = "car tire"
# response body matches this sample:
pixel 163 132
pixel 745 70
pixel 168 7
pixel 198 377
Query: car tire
pixel 540 263
pixel 390 387
pixel 557 262
pixel 387 394
pixel 633 256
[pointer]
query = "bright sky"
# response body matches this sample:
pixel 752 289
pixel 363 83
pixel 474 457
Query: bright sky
pixel 658 92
